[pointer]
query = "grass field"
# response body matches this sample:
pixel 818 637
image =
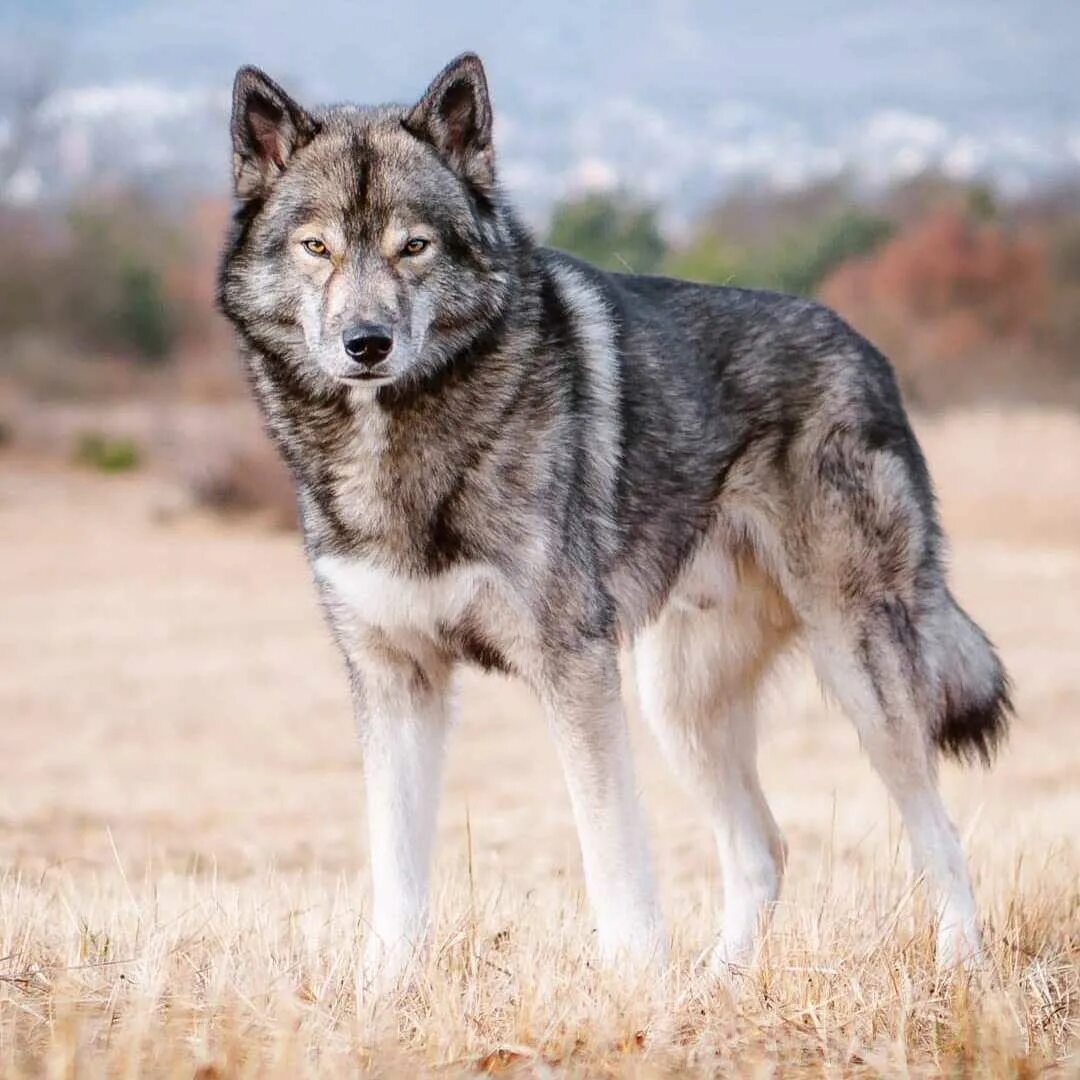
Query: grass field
pixel 182 864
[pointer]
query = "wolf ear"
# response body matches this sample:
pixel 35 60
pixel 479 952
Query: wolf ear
pixel 268 127
pixel 454 115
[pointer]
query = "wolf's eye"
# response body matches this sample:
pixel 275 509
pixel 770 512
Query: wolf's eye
pixel 316 248
pixel 414 245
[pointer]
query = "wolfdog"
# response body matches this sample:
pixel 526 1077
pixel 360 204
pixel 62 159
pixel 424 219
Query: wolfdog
pixel 508 457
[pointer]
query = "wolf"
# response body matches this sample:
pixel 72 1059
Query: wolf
pixel 504 456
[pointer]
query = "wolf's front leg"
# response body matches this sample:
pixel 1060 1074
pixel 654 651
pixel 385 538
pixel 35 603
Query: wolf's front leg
pixel 402 713
pixel 587 717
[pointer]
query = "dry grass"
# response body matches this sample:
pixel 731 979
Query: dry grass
pixel 181 862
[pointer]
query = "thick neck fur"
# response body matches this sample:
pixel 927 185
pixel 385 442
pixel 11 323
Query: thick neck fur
pixel 385 473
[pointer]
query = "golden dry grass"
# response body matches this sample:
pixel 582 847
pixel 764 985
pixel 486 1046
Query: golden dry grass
pixel 181 848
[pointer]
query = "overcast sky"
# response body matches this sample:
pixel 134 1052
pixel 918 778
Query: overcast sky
pixel 628 82
pixel 938 54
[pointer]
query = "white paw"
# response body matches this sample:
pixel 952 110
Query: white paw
pixel 633 947
pixel 959 947
pixel 387 969
pixel 731 959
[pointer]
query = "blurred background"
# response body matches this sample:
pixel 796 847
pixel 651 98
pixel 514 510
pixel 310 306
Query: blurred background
pixel 916 167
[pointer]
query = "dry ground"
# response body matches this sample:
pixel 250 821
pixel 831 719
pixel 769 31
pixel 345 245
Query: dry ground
pixel 182 861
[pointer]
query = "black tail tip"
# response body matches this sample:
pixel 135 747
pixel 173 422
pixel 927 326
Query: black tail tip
pixel 971 731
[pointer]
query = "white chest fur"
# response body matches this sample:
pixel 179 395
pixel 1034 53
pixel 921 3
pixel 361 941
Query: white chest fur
pixel 418 613
pixel 383 598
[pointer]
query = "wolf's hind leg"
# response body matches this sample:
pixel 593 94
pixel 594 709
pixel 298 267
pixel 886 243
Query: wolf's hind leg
pixel 698 675
pixel 873 680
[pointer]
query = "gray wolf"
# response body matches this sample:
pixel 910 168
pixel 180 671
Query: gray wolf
pixel 504 456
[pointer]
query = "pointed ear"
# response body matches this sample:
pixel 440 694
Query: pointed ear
pixel 268 127
pixel 454 115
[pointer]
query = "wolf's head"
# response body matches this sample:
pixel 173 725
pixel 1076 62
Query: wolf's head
pixel 369 246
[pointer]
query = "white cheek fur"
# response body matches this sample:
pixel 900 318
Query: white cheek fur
pixel 311 319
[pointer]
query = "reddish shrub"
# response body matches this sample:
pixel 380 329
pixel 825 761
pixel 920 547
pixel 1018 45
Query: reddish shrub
pixel 961 308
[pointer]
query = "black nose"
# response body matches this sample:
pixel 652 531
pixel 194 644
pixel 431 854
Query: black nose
pixel 368 342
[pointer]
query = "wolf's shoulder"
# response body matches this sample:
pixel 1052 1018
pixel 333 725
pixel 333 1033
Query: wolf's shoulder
pixel 751 337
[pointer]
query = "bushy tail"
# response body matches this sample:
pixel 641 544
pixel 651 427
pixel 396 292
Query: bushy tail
pixel 976 707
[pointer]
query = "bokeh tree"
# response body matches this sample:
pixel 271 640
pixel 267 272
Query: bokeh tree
pixel 613 231
pixel 795 262
pixel 96 279
pixel 960 304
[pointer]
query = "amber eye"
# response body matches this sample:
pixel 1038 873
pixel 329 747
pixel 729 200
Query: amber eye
pixel 316 248
pixel 414 245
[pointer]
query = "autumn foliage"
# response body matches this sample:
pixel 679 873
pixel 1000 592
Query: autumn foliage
pixel 962 307
pixel 972 297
